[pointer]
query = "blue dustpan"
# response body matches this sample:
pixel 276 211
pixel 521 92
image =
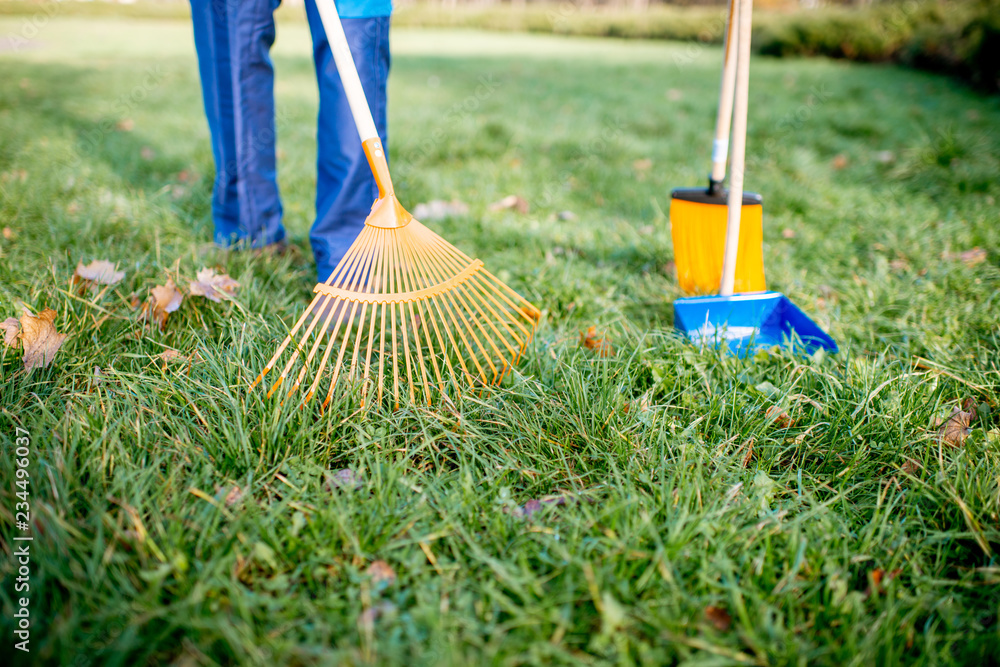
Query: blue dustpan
pixel 748 322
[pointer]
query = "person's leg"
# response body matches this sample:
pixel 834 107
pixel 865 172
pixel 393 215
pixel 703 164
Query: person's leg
pixel 345 187
pixel 211 40
pixel 251 34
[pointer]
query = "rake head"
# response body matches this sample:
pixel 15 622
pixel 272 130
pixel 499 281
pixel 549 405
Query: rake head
pixel 404 312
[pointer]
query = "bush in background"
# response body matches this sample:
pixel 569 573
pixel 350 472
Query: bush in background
pixel 960 38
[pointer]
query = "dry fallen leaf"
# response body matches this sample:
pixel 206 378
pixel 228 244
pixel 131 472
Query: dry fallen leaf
pixel 381 573
pixel 438 209
pixel 39 339
pixel 534 505
pixel 592 340
pixel 233 496
pixel 345 478
pixel 779 417
pixel 839 162
pixel 164 299
pixel 956 428
pixel 788 233
pixel 169 355
pixel 8 234
pixel 718 617
pixel 973 257
pixel 644 164
pixel 511 202
pixel 213 286
pixel 747 449
pixel 877 577
pixel 99 272
pixel 11 330
pixel 125 125
pixel 885 157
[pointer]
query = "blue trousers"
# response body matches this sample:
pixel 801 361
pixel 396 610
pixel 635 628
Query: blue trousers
pixel 233 39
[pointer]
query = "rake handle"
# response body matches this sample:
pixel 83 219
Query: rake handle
pixel 739 145
pixel 355 93
pixel 720 144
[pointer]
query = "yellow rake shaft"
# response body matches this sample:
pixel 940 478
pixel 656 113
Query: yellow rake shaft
pixel 406 302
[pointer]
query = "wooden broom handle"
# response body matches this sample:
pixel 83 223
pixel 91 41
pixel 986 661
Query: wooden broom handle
pixel 720 145
pixel 347 69
pixel 739 145
pixel 356 99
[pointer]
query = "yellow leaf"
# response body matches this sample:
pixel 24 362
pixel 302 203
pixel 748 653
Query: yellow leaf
pixel 592 340
pixel 39 339
pixel 164 299
pixel 381 573
pixel 956 428
pixel 11 331
pixel 213 286
pixel 100 272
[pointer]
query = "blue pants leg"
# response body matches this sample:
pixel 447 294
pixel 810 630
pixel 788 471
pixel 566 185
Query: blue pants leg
pixel 211 41
pixel 233 40
pixel 345 187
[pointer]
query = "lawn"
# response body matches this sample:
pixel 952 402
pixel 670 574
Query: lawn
pixel 704 510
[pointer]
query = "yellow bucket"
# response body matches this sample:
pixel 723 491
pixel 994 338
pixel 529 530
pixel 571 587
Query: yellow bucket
pixel 698 227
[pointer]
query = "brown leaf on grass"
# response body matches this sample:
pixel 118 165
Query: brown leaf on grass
pixel 170 355
pixel 839 162
pixel 125 125
pixel 11 330
pixel 345 478
pixel 39 339
pixel 596 342
pixel 233 495
pixel 969 405
pixel 438 209
pixel 956 428
pixel 879 577
pixel 381 573
pixel 779 417
pixel 134 301
pixel 718 617
pixel 644 164
pixel 8 234
pixel 747 449
pixel 98 272
pixel 973 257
pixel 910 467
pixel 970 257
pixel 163 300
pixel 536 504
pixel 511 202
pixel 213 286
pixel 788 233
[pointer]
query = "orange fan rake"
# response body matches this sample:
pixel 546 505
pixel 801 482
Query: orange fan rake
pixel 402 300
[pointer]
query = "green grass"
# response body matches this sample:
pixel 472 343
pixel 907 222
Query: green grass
pixel 139 559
